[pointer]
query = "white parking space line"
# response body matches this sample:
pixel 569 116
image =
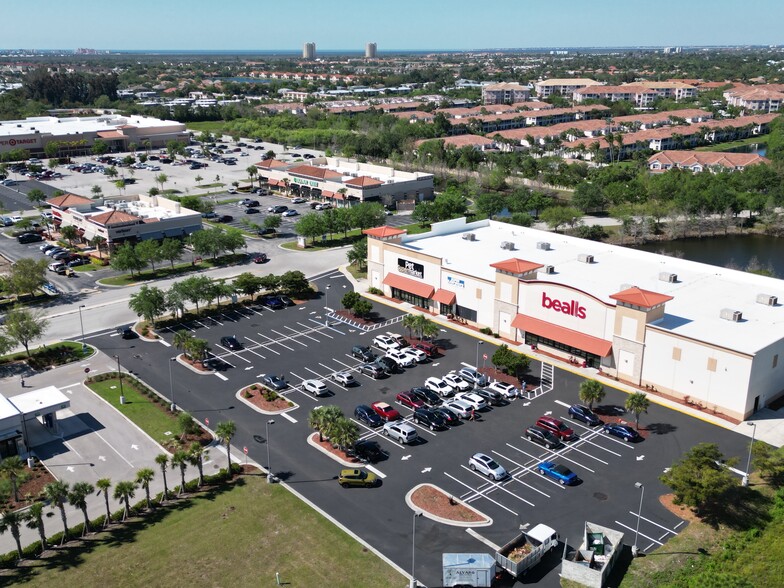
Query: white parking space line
pixel 221 376
pixel 232 319
pixel 201 324
pixel 298 334
pixel 529 470
pixel 494 485
pixel 122 457
pixel 232 353
pixel 113 335
pixel 634 514
pixel 272 341
pixel 321 332
pixel 100 335
pixel 214 320
pixel 164 343
pixel 286 416
pixel 589 441
pixel 641 534
pixel 484 540
pixel 184 326
pixel 574 447
pixel 253 310
pixel 473 490
pixel 550 457
pixel 379 473
pixel 374 433
pixel 410 420
pixel 562 403
pixel 289 338
pixel 266 345
pixel 257 346
pixel 326 326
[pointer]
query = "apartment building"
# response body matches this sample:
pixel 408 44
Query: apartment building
pixel 563 87
pixel 505 93
pixel 698 161
pixel 766 98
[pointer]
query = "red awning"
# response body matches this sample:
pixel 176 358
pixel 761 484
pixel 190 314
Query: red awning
pixel 273 182
pixel 327 194
pixel 445 297
pixel 409 285
pixel 563 335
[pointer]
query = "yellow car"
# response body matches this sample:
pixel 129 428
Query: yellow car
pixel 357 478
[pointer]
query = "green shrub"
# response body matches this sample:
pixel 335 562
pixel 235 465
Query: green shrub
pixel 486 331
pixel 376 291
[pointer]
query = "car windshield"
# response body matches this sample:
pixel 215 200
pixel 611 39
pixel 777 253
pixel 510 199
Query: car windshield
pixel 562 470
pixel 492 465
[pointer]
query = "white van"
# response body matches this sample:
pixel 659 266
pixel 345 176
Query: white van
pixel 400 432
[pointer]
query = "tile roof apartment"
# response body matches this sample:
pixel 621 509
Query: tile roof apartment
pixel 697 161
pixel 505 93
pixel 563 87
pixel 641 94
pixel 764 98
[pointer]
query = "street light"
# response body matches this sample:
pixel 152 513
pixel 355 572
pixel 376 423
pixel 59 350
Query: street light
pixel 326 305
pixel 413 549
pixel 635 549
pixel 119 375
pixel 478 343
pixel 81 324
pixel 270 477
pixel 745 480
pixel 173 405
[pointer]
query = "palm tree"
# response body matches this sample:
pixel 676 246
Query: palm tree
pixel 429 329
pixel 143 477
pixel 637 403
pixel 345 433
pixel 591 391
pixel 252 173
pixel 182 339
pixel 410 323
pixel 11 521
pixel 180 460
pixel 69 233
pixel 196 456
pixel 103 486
pixel 35 520
pixel 98 242
pixel 123 492
pixel 161 179
pixel 12 468
pixel 163 462
pixel 77 498
pixel 225 431
pixel 57 494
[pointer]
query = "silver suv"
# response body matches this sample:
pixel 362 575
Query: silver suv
pixel 472 376
pixel 400 432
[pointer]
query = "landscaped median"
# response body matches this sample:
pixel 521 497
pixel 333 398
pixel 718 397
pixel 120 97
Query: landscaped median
pixel 169 272
pixel 264 400
pixel 444 508
pixel 50 356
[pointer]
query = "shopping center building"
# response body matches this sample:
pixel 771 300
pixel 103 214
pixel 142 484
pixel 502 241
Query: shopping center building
pixel 704 334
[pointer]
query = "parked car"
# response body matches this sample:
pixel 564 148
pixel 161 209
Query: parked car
pixel 450 417
pixel 429 348
pixel 457 383
pixel 542 437
pixel 557 427
pixel 224 218
pixel 385 411
pixel 53 250
pixel 286 300
pixel 277 209
pixel 315 387
pixel 402 359
pixel 472 376
pixel 624 432
pixel 401 432
pixel 46 247
pixel 274 382
pixel 362 478
pixel 372 370
pixel 409 400
pixel 439 386
pixel 25 238
pixel 476 401
pixel 584 414
pixel 290 212
pixel 385 343
pixel 298 200
pixel 427 396
pixel 260 258
pixel 78 261
pixel 231 343
pixel 344 378
pixel 558 472
pixel 367 415
pixel 248 202
pixel 60 254
pixel 428 417
pixel 363 353
pixel 209 215
pixel 506 390
pixel 387 364
pixel 486 465
pixel 417 355
pixel 460 407
pixel 491 397
pixel 272 302
pixel 55 265
pixel 126 332
pixel 367 451
pixel 251 210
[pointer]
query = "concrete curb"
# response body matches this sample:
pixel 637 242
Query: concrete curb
pixel 486 523
pixel 348 464
pixel 245 401
pixel 184 363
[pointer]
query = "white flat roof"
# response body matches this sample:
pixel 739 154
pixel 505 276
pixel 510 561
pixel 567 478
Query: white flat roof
pixel 699 295
pixel 63 126
pixel 43 399
pixel 7 410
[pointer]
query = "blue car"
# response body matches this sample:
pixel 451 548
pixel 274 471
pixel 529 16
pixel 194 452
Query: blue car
pixel 584 414
pixel 624 432
pixel 561 474
pixel 367 415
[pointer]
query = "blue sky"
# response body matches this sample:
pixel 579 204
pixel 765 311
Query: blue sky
pixel 401 24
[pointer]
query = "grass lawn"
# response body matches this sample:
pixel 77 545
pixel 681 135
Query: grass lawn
pixel 157 423
pixel 90 267
pixel 236 537
pixel 207 126
pixel 734 144
pixel 356 272
pixel 55 354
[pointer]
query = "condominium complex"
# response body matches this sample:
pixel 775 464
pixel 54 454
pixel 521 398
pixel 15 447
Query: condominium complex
pixel 505 93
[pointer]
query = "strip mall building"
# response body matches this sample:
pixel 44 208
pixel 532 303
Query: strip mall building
pixel 702 333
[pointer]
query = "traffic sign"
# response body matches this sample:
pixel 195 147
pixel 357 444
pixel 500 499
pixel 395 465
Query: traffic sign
pixel 86 370
pixel 207 422
pixel 484 356
pixel 245 449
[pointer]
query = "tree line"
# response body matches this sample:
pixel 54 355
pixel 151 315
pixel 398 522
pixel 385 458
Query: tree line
pixel 340 220
pixel 61 89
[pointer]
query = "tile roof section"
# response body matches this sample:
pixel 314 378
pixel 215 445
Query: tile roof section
pixel 67 200
pixel 363 182
pixel 382 232
pixel 516 266
pixel 639 297
pixel 707 158
pixel 318 173
pixel 113 217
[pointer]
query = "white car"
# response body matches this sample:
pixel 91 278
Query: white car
pixel 315 387
pixel 484 464
pixel 402 359
pixel 457 382
pixel 15 218
pixel 460 407
pixel 476 401
pixel 344 378
pixel 153 168
pixel 417 355
pixel 385 343
pixel 439 386
pixel 506 390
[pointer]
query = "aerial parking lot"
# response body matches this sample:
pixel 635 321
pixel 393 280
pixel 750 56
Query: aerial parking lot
pixel 303 343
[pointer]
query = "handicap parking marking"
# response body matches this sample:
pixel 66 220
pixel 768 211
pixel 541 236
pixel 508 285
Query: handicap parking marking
pixel 302 334
pixel 491 485
pixel 474 491
pixel 221 376
pixel 233 353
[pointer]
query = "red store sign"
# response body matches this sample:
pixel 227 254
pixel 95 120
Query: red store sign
pixel 571 307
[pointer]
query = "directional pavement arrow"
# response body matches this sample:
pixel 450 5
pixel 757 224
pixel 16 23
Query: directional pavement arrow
pixel 405 457
pixel 101 458
pixel 640 457
pixel 548 413
pixel 135 447
pixel 435 364
pixel 526 403
pixel 424 471
pixel 68 392
pixel 69 468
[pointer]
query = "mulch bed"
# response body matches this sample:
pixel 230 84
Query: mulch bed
pixel 255 397
pixel 31 489
pixel 195 364
pixel 430 499
pixel 682 512
pixel 326 444
pixel 203 438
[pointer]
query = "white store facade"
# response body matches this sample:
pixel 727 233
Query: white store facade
pixel 700 333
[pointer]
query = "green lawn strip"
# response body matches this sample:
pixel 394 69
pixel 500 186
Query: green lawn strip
pixel 206 126
pixel 238 537
pixel 168 272
pixel 55 354
pixel 140 409
pixel 90 267
pixel 356 272
pixel 735 144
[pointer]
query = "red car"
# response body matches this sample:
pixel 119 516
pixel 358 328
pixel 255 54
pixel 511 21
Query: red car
pixel 556 427
pixel 260 258
pixel 409 400
pixel 386 412
pixel 429 349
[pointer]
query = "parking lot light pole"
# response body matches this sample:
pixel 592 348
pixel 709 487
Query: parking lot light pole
pixel 478 343
pixel 173 405
pixel 641 488
pixel 413 549
pixel 119 376
pixel 326 304
pixel 81 324
pixel 270 477
pixel 745 480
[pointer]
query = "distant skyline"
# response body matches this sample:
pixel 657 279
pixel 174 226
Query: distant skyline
pixel 247 25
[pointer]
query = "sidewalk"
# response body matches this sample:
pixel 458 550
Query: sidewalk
pixel 768 422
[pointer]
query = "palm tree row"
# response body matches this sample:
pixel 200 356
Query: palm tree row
pixel 330 422
pixel 421 325
pixel 58 494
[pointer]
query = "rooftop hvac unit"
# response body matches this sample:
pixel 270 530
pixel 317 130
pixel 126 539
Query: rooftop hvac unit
pixel 585 258
pixel 469 236
pixel 668 277
pixel 508 245
pixel 767 299
pixel 549 269
pixel 544 246
pixel 731 315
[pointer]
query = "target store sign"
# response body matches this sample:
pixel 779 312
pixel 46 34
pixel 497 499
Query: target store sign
pixel 18 142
